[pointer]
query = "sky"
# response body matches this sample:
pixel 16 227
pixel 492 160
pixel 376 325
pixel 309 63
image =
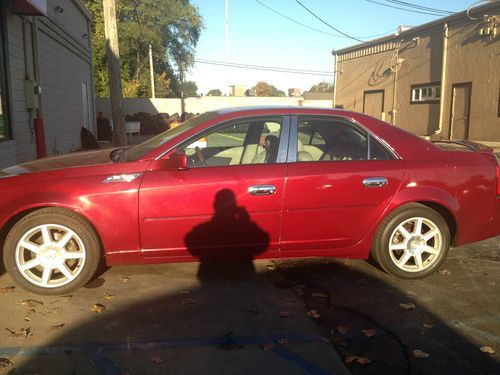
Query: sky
pixel 259 36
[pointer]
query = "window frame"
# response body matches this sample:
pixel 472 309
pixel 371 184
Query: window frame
pixel 370 137
pixel 282 148
pixel 4 85
pixel 435 97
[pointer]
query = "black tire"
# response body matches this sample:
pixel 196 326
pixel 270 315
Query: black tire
pixel 419 256
pixel 83 249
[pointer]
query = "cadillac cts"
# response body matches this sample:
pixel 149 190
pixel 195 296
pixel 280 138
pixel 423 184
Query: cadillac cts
pixel 252 183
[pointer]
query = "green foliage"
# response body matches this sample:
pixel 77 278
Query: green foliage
pixel 190 89
pixel 214 92
pixel 265 89
pixel 322 87
pixel 172 27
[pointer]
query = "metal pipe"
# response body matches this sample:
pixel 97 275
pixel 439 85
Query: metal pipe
pixel 335 80
pixel 443 79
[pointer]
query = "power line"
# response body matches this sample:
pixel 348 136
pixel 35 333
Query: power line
pixel 265 68
pixel 327 24
pixel 420 7
pixel 404 9
pixel 314 29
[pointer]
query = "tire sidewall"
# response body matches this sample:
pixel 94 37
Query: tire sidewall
pixel 385 233
pixel 52 216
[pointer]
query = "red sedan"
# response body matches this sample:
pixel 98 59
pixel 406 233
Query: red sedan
pixel 249 183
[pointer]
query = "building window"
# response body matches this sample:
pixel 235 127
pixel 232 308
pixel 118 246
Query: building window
pixel 4 105
pixel 428 93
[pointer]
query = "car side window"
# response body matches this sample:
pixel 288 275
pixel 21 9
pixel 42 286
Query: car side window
pixel 254 141
pixel 330 140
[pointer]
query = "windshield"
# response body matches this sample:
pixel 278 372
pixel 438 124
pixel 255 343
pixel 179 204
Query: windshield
pixel 138 151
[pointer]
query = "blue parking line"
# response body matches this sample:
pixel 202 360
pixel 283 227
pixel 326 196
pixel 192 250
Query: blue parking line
pixel 98 353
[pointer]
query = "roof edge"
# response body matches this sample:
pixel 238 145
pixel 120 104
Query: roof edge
pixel 481 8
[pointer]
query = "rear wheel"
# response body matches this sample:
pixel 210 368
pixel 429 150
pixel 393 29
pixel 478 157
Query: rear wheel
pixel 412 242
pixel 51 251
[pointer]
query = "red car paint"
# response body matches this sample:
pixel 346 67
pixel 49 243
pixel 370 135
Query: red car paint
pixel 319 208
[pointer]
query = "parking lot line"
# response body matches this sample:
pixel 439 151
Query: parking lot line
pixel 98 353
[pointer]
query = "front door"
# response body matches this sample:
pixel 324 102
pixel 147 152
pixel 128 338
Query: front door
pixel 337 187
pixel 460 111
pixel 228 201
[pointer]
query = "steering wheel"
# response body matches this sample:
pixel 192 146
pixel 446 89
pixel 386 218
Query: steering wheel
pixel 199 155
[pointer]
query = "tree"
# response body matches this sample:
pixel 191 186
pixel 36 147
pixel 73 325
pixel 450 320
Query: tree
pixel 265 89
pixel 214 92
pixel 172 27
pixel 190 89
pixel 322 87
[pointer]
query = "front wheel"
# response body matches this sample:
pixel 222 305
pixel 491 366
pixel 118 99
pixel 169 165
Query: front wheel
pixel 51 251
pixel 412 242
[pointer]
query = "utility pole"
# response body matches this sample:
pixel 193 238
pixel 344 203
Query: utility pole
pixel 227 50
pixel 153 94
pixel 114 70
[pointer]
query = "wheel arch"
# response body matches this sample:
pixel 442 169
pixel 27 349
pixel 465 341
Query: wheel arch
pixel 18 215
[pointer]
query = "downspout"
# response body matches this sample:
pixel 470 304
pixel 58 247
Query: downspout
pixel 335 79
pixel 443 80
pixel 41 148
pixel 27 75
pixel 393 112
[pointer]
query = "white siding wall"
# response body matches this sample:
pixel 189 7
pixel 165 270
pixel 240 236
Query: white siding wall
pixel 65 62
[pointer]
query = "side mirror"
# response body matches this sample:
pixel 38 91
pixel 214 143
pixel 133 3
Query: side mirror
pixel 177 161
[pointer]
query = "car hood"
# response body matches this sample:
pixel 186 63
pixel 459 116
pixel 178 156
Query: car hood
pixel 56 162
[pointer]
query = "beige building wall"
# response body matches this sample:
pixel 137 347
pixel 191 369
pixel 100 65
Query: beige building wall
pixel 377 70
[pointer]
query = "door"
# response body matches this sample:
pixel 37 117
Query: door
pixel 338 185
pixel 228 201
pixel 460 110
pixel 373 103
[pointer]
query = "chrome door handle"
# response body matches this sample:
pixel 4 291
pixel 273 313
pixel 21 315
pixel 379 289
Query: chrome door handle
pixel 375 181
pixel 262 189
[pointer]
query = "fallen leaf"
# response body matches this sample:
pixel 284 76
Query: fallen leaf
pixel 282 341
pixel 108 296
pixel 156 360
pixel 444 272
pixel 410 293
pixel 417 353
pixel 363 361
pixel 7 289
pixel 56 327
pixel 189 301
pixel 319 295
pixel 63 299
pixel 487 349
pixel 124 279
pixel 288 299
pixel 5 362
pixel 347 262
pixel 21 332
pixel 350 359
pixel 407 306
pixel 98 308
pixel 369 332
pixel 428 325
pixel 285 314
pixel 343 329
pixel 27 319
pixel 313 314
pixel 338 342
pixel 30 303
pixel 271 267
pixel 267 346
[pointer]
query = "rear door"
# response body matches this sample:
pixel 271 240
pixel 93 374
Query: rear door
pixel 339 181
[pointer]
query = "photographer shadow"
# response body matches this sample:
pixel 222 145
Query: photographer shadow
pixel 227 244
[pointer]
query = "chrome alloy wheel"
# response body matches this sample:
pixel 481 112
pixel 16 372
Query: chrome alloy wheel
pixel 415 244
pixel 50 255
